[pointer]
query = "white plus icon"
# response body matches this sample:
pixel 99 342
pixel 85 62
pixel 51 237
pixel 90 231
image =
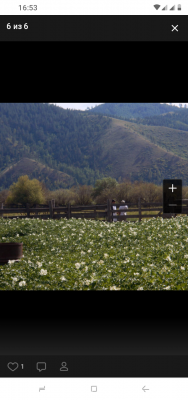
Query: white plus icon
pixel 172 187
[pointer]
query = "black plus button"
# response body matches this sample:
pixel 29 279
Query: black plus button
pixel 172 196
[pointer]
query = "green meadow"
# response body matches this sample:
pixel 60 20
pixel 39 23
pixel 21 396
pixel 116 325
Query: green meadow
pixel 82 254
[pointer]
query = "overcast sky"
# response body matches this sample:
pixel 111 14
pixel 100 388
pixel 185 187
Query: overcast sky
pixel 83 106
pixel 77 106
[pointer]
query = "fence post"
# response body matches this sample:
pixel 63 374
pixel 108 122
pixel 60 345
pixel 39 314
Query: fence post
pixel 27 209
pixel 108 210
pixel 35 206
pixel 51 208
pixel 139 208
pixel 1 215
pixel 68 211
pixel 95 212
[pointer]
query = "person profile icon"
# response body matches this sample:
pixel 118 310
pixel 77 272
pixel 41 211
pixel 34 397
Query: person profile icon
pixel 64 367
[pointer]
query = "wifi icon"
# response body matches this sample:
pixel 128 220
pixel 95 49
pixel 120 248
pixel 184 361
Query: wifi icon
pixel 156 6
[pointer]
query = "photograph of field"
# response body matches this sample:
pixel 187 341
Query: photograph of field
pixel 62 171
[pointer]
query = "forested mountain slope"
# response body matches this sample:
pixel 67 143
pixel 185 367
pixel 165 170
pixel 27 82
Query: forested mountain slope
pixel 132 110
pixel 66 147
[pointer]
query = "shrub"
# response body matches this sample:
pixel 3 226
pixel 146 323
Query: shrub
pixel 26 191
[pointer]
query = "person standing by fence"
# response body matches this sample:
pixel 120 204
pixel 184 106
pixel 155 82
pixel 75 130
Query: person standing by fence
pixel 123 207
pixel 114 208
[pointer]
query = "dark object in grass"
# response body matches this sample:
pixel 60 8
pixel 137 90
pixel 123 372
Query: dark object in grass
pixel 10 251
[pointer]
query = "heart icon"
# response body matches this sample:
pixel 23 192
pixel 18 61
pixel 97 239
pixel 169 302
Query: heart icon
pixel 13 366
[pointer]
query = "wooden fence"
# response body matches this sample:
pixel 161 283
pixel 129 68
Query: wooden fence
pixel 140 210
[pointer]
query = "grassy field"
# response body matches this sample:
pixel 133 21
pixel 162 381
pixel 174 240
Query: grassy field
pixel 80 254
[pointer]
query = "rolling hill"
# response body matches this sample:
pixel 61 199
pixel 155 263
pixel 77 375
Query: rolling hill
pixel 177 119
pixel 35 170
pixel 145 153
pixel 132 110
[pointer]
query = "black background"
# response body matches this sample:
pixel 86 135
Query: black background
pixel 98 323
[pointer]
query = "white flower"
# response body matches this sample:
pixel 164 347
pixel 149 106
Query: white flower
pixel 22 283
pixel 144 269
pixel 89 251
pixel 17 234
pixel 106 255
pixel 101 262
pixel 77 265
pixel 136 273
pixel 15 279
pixel 186 256
pixel 39 264
pixel 82 253
pixel 168 258
pixel 87 282
pixel 43 271
pixel 11 261
pixel 183 268
pixel 114 288
pixel 140 288
pixel 167 288
pixel 63 278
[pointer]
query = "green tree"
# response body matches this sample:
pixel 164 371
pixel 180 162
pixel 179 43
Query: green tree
pixel 104 184
pixel 26 191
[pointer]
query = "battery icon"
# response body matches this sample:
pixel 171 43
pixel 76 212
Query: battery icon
pixel 179 7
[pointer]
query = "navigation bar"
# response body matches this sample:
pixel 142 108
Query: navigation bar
pixel 93 366
pixel 94 28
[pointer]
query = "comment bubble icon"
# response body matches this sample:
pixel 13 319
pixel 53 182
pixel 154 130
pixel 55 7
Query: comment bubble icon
pixel 41 366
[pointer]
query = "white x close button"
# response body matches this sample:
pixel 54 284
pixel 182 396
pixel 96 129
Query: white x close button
pixel 174 28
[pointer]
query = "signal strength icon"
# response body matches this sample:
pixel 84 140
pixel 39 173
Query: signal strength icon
pixel 165 8
pixel 173 8
pixel 157 6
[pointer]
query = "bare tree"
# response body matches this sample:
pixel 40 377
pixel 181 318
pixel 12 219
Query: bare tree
pixel 83 195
